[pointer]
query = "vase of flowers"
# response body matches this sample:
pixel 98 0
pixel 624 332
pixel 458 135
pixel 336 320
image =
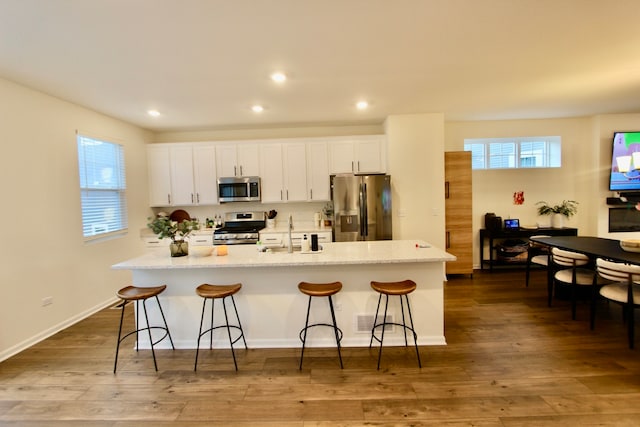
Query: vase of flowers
pixel 567 209
pixel 164 227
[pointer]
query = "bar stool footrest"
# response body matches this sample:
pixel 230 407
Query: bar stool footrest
pixel 302 331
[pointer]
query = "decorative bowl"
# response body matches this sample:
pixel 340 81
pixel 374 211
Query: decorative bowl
pixel 200 251
pixel 630 245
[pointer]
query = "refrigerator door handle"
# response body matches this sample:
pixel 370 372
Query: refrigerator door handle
pixel 364 216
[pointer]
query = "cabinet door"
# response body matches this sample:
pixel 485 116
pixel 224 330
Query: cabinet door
pixel 226 161
pixel 271 175
pixel 182 190
pixel 368 157
pixel 248 160
pixel 159 175
pixel 458 212
pixel 204 174
pixel 317 171
pixel 295 172
pixel 341 157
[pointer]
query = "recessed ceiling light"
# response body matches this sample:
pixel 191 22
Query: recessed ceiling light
pixel 362 105
pixel 278 77
pixel 153 113
pixel 257 108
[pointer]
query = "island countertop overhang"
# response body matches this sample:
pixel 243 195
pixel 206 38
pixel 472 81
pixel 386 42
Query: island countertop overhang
pixel 335 253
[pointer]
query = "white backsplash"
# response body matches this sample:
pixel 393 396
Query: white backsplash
pixel 302 213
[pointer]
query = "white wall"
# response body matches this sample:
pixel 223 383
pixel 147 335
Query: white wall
pixel 416 166
pixel 586 160
pixel 42 253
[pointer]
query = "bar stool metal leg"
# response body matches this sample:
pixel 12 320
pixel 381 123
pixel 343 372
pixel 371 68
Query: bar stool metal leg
pixel 221 292
pixel 137 294
pixel 335 331
pixel 304 331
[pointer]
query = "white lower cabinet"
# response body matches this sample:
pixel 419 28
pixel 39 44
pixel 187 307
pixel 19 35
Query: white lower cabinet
pixel 279 239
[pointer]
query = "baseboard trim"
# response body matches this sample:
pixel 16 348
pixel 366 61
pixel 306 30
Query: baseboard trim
pixel 12 351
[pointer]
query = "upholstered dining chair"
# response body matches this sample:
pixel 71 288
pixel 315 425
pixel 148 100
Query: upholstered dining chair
pixel 572 269
pixel 537 254
pixel 625 290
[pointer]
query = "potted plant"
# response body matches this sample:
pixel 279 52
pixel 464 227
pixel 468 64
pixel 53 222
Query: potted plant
pixel 327 210
pixel 164 227
pixel 567 208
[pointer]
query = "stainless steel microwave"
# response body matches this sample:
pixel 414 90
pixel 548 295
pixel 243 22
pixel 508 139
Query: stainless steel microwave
pixel 239 189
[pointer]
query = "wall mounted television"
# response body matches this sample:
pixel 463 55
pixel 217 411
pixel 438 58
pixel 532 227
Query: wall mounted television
pixel 625 162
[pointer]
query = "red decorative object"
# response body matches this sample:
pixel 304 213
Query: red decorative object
pixel 518 197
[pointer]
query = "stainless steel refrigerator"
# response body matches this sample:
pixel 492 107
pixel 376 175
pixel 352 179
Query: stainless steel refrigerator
pixel 361 207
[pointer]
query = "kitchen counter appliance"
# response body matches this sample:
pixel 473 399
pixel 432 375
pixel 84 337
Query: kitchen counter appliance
pixel 240 228
pixel 239 189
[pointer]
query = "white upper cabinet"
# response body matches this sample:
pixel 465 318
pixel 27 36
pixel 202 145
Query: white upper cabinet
pixel 182 187
pixel 318 172
pixel 365 154
pixel 182 175
pixel 283 172
pixel 271 173
pixel 295 170
pixel 159 174
pixel 204 174
pixel 238 159
pixel 294 157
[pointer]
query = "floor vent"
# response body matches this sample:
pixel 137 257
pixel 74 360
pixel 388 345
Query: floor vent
pixel 364 323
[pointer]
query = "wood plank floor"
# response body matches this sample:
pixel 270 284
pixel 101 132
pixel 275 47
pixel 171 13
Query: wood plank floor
pixel 510 361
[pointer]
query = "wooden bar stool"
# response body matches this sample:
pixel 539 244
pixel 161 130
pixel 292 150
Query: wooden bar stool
pixel 213 292
pixel 320 290
pixel 400 289
pixel 137 294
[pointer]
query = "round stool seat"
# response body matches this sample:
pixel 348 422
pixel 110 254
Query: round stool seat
pixel 133 293
pixel 319 289
pixel 217 291
pixel 394 288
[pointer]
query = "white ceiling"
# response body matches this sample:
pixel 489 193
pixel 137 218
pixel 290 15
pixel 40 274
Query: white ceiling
pixel 203 63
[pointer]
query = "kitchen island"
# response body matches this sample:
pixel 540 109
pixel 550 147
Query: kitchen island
pixel 271 308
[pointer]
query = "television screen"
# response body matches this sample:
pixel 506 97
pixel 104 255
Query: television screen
pixel 625 162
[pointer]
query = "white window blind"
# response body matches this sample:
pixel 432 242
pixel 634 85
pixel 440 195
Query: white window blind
pixel 102 187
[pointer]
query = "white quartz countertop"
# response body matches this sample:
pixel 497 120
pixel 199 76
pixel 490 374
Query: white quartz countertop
pixel 336 253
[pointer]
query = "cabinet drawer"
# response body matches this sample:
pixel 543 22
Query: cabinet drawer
pixel 154 242
pixel 201 240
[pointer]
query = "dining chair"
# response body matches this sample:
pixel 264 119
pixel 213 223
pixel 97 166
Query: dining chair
pixel 625 290
pixel 572 269
pixel 537 254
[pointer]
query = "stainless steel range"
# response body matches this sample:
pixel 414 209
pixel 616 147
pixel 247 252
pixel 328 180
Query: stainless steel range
pixel 240 228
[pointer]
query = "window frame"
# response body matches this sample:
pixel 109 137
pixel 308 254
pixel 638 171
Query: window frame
pixel 551 156
pixel 103 187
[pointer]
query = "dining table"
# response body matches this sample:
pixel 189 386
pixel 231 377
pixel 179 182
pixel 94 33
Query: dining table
pixel 593 247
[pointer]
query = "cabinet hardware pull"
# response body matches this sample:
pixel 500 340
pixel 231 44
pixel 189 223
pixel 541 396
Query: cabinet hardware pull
pixel 311 193
pixel 287 194
pixel 358 165
pixel 198 197
pixel 352 170
pixel 280 194
pixel 448 240
pixel 191 197
pixel 169 198
pixel 235 171
pixel 446 189
pixel 241 174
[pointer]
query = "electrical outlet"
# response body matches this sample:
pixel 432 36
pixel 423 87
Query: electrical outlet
pixel 47 301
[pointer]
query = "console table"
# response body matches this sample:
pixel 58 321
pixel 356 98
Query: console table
pixel 514 234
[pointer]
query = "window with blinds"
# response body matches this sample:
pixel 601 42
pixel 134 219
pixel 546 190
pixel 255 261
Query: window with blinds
pixel 514 153
pixel 102 188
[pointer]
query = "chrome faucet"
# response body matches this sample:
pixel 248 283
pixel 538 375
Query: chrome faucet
pixel 290 250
